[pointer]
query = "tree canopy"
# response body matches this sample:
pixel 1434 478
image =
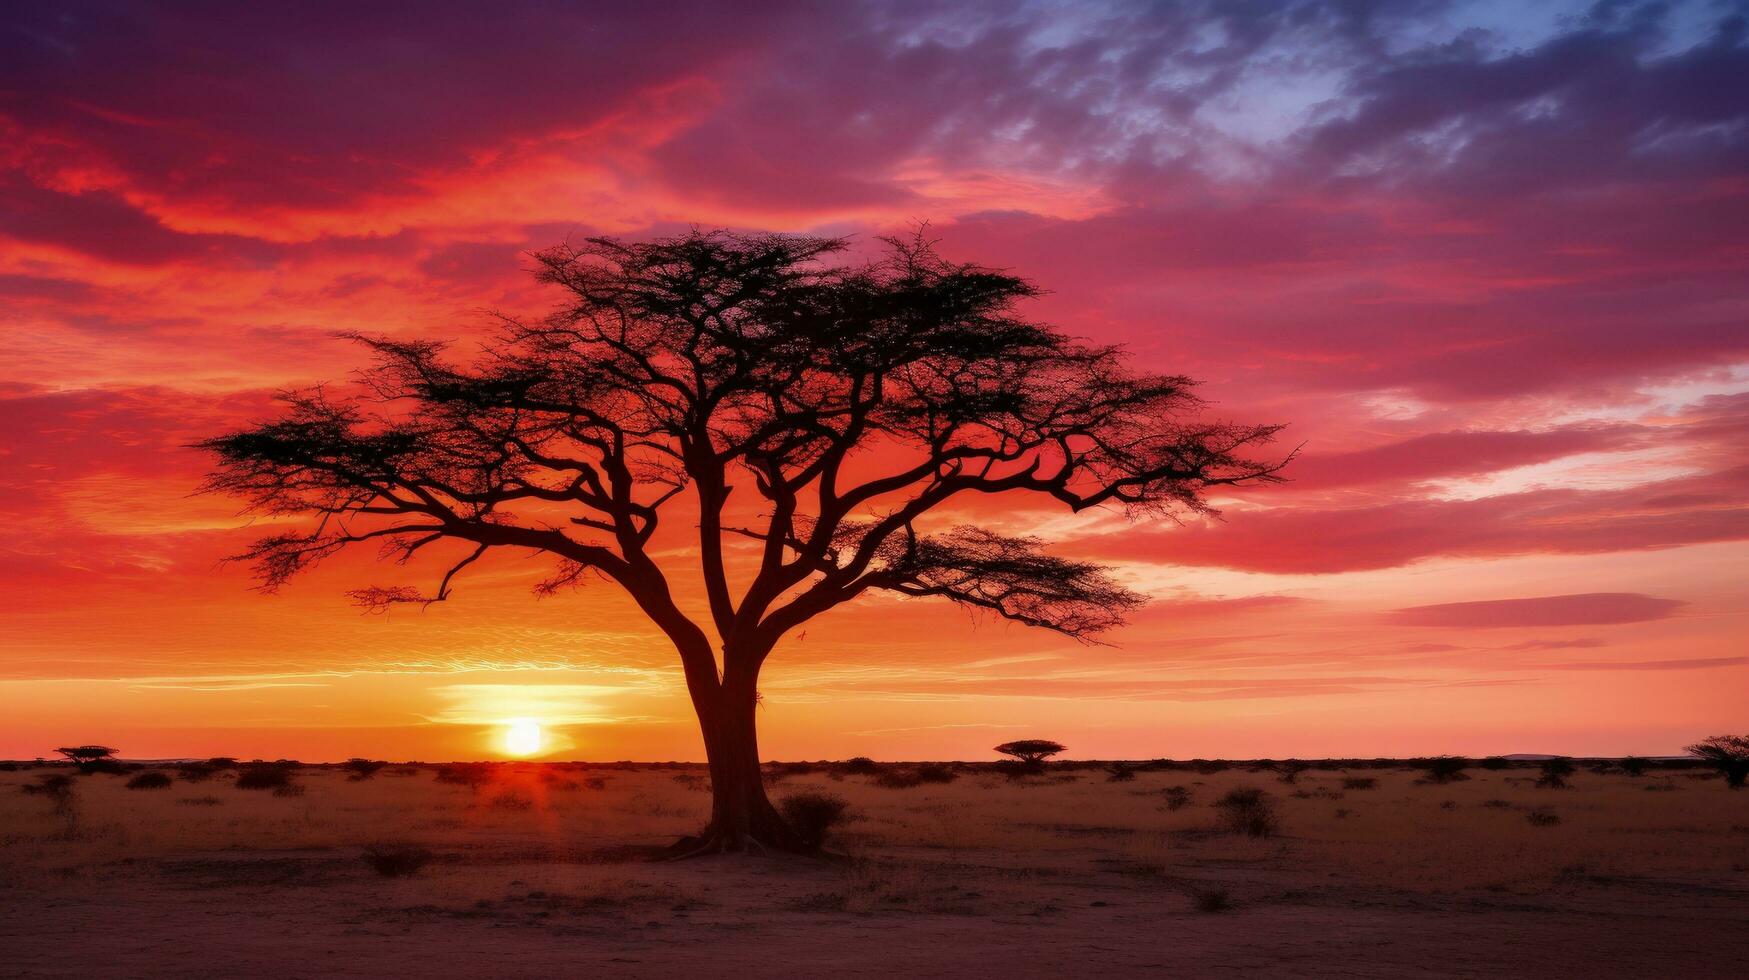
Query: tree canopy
pixel 853 401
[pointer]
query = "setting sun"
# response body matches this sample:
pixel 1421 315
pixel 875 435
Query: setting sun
pixel 522 737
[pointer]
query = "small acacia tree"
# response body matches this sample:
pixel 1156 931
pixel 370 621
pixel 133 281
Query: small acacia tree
pixel 1728 754
pixel 851 401
pixel 89 758
pixel 1032 752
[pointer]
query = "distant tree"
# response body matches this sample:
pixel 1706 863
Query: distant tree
pixel 90 758
pixel 1120 772
pixel 1494 763
pixel 1633 765
pixel 1728 754
pixel 1032 752
pixel 855 403
pixel 861 765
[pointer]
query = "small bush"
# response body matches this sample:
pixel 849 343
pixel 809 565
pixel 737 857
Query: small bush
pixel 1494 763
pixel 150 780
pixel 596 782
pixel 396 860
pixel 473 775
pixel 510 801
pixel 1555 773
pixel 1498 804
pixel 289 789
pixel 265 776
pixel 1542 818
pixel 1446 769
pixel 896 779
pixel 200 801
pixel 1249 812
pixel 58 787
pixel 1211 900
pixel 1177 797
pixel 1119 772
pixel 197 772
pixel 860 765
pixel 1633 765
pixel 362 768
pixel 1360 783
pixel 935 772
pixel 812 814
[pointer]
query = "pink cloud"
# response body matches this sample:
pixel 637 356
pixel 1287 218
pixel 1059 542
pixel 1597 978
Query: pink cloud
pixel 1593 609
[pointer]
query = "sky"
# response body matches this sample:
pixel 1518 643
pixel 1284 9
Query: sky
pixel 1487 260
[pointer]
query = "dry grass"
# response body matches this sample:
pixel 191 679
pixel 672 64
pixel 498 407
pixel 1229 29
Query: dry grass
pixel 525 844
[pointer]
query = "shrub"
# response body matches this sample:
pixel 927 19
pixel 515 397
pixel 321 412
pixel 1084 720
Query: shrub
pixel 1494 763
pixel 1177 797
pixel 200 801
pixel 1446 768
pixel 264 776
pixel 362 768
pixel 935 772
pixel 150 780
pixel 1249 812
pixel 1291 769
pixel 195 772
pixel 860 765
pixel 289 789
pixel 1360 782
pixel 1542 818
pixel 1633 765
pixel 596 782
pixel 510 800
pixel 58 787
pixel 1555 773
pixel 896 779
pixel 473 775
pixel 1119 772
pixel 396 860
pixel 811 814
pixel 1211 900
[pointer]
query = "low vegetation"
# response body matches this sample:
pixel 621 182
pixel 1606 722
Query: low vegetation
pixel 150 780
pixel 812 815
pixel 1248 811
pixel 396 860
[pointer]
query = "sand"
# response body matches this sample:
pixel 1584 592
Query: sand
pixel 1061 875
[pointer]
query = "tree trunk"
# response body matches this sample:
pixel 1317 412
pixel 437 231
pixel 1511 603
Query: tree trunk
pixel 742 817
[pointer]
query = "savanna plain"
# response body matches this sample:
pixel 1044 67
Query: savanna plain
pixel 1368 869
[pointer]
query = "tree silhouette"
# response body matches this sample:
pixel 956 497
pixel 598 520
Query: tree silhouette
pixel 854 401
pixel 1032 752
pixel 89 758
pixel 1729 754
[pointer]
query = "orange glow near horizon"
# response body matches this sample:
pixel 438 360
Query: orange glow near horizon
pixel 1508 333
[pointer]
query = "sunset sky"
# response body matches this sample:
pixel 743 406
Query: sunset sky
pixel 1489 260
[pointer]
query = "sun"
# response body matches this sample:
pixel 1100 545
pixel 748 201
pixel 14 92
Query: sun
pixel 522 736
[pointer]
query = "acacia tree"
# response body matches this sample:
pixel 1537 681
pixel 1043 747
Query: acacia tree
pixel 1729 754
pixel 1032 752
pixel 852 401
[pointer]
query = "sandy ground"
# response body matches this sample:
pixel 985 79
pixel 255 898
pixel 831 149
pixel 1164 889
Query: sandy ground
pixel 1063 875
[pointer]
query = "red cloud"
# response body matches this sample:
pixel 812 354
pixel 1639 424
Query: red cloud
pixel 1593 609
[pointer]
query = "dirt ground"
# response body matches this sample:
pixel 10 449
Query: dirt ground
pixel 536 874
